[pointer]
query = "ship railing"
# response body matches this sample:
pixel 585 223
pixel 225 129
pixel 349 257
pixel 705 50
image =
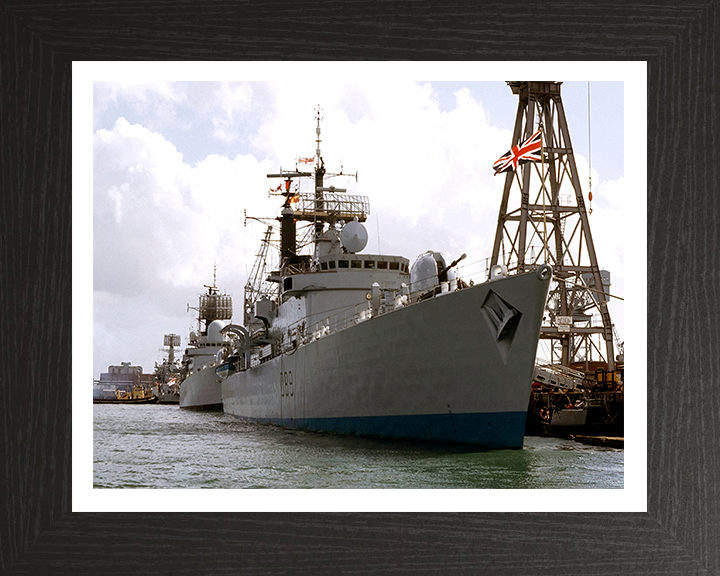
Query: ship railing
pixel 332 205
pixel 297 268
pixel 337 322
pixel 298 333
pixel 479 270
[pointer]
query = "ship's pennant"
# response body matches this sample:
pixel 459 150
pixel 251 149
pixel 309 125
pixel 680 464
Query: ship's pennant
pixel 528 151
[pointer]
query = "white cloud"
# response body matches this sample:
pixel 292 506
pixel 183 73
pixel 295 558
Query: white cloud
pixel 231 99
pixel 160 223
pixel 154 103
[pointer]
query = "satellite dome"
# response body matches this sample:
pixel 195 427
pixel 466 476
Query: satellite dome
pixel 425 270
pixel 213 331
pixel 354 236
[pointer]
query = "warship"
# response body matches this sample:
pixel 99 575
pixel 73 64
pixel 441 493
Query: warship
pixel 200 388
pixel 338 341
pixel 167 374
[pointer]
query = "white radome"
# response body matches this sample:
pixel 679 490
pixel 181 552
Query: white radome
pixel 354 236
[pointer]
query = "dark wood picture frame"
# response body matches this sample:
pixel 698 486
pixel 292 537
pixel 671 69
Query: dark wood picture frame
pixel 680 532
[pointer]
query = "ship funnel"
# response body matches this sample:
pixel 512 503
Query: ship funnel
pixel 287 235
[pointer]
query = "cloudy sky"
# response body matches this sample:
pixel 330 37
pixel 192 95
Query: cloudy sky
pixel 177 162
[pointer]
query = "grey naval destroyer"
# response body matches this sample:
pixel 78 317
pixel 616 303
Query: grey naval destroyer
pixel 339 341
pixel 200 387
pixel 166 376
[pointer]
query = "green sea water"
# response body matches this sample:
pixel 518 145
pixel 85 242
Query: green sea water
pixel 162 446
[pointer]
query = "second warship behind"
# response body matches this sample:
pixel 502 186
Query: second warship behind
pixel 167 374
pixel 342 342
pixel 199 388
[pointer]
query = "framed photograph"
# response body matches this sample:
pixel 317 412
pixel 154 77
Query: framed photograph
pixel 664 518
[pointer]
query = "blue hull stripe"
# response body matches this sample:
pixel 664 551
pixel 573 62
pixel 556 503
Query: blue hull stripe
pixel 491 430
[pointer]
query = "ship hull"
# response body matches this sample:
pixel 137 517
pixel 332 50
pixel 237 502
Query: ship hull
pixel 440 370
pixel 150 400
pixel 201 391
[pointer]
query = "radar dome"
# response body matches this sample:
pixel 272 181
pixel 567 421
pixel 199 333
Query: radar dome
pixel 354 236
pixel 213 331
pixel 425 270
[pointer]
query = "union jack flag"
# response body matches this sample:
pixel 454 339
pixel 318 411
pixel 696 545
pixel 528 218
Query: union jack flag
pixel 307 160
pixel 528 151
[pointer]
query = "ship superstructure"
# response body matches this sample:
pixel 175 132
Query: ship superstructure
pixel 366 344
pixel 167 373
pixel 200 389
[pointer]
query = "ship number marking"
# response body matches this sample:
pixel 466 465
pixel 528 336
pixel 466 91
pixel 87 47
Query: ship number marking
pixel 286 383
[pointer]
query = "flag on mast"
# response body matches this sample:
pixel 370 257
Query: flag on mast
pixel 528 151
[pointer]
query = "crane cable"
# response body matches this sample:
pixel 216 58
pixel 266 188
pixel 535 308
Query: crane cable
pixel 589 153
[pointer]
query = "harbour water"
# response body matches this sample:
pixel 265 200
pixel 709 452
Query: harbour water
pixel 162 446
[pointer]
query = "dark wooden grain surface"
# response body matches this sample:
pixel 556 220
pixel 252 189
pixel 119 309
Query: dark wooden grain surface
pixel 680 533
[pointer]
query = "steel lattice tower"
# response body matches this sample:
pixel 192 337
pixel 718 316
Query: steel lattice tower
pixel 549 224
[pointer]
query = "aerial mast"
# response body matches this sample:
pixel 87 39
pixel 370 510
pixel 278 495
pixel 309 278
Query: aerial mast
pixel 319 175
pixel 323 205
pixel 212 306
pixel 171 341
pixel 257 285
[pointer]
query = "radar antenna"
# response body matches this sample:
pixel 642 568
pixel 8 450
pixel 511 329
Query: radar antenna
pixel 212 306
pixel 322 205
pixel 171 341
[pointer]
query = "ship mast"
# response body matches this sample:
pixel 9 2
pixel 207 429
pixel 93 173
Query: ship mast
pixel 171 341
pixel 319 176
pixel 212 306
pixel 257 285
pixel 324 204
